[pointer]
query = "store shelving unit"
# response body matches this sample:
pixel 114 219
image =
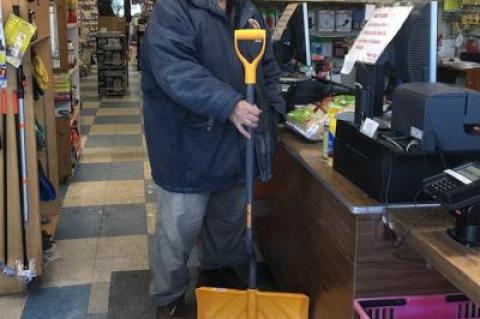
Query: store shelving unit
pixel 334 42
pixel 462 15
pixel 333 1
pixel 42 111
pixel 73 66
pixel 88 31
pixel 330 44
pixel 112 63
pixel 68 95
pixel 45 106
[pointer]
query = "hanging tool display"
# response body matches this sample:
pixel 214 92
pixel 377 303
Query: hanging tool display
pixel 18 34
pixel 40 85
pixel 47 190
pixel 25 269
pixel 3 192
pixel 21 129
pixel 15 246
pixel 16 194
pixel 22 152
pixel 40 75
pixel 3 144
pixel 22 164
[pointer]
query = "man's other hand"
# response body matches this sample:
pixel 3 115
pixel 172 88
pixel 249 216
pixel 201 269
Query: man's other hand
pixel 245 114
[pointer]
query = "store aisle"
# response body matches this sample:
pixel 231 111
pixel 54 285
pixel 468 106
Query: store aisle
pixel 107 212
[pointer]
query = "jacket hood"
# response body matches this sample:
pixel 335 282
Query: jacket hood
pixel 212 3
pixel 247 7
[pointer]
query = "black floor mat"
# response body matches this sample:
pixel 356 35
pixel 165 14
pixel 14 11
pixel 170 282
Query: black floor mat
pixel 129 296
pixel 130 299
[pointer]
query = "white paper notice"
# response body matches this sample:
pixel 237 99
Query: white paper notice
pixel 376 35
pixel 369 11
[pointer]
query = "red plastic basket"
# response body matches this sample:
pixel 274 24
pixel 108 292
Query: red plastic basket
pixel 417 307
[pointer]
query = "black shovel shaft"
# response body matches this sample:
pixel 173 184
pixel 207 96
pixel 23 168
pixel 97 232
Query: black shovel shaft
pixel 249 178
pixel 250 149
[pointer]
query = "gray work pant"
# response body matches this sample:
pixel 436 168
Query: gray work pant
pixel 215 222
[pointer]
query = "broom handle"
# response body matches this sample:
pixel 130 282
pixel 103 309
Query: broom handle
pixel 249 178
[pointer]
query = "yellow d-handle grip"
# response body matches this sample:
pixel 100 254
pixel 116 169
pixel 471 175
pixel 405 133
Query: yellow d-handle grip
pixel 250 67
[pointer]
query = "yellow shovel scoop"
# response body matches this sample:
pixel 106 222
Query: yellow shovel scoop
pixel 215 303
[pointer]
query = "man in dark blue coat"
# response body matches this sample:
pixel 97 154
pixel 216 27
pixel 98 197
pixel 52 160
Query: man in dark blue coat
pixel 195 118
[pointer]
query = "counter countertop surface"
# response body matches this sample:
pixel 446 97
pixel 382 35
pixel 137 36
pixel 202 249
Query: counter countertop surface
pixel 426 233
pixel 310 156
pixel 461 66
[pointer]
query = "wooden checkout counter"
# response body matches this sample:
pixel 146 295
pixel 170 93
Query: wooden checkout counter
pixel 321 235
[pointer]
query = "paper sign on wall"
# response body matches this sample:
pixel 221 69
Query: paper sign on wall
pixel 376 35
pixel 283 22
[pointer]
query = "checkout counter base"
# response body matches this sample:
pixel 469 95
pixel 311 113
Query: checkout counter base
pixel 314 244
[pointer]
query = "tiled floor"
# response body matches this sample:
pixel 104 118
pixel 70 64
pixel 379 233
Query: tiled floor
pixel 105 216
pixel 108 211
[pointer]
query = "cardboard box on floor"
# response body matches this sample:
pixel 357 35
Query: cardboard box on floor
pixel 112 24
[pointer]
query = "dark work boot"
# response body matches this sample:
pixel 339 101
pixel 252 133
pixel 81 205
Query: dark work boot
pixel 226 277
pixel 174 310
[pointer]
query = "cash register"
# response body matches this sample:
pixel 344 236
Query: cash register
pixel 458 189
pixel 433 126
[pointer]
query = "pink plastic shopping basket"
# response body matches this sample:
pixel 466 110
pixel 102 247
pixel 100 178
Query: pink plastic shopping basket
pixel 417 307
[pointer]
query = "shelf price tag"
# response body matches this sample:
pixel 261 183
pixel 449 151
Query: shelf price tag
pixel 375 36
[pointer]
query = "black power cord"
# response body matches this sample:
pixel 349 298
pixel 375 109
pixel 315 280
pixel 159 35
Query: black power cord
pixel 401 242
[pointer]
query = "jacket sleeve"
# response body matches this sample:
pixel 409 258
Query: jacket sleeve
pixel 271 74
pixel 172 57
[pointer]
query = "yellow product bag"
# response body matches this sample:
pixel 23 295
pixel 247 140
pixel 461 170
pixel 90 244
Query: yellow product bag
pixel 40 73
pixel 18 34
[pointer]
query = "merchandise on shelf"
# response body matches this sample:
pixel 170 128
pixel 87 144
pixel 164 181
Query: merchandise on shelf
pixel 88 31
pixel 18 34
pixel 71 55
pixel 63 94
pixel 112 64
pixel 270 16
pixel 325 20
pixel 321 48
pixel 343 20
pixel 3 55
pixel 72 11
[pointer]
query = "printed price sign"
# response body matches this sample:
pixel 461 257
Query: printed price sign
pixel 376 35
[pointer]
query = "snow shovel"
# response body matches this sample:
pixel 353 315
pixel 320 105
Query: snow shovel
pixel 215 303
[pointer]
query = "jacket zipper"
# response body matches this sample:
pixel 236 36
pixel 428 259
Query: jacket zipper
pixel 210 123
pixel 231 28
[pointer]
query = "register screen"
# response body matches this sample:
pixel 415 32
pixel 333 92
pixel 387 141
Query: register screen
pixel 472 172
